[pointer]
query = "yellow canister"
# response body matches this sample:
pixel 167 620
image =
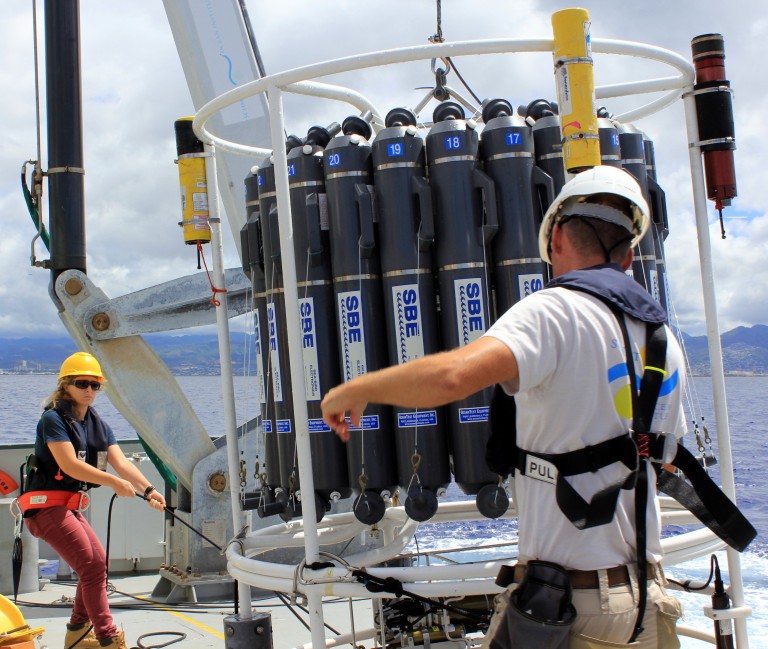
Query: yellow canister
pixel 192 183
pixel 574 78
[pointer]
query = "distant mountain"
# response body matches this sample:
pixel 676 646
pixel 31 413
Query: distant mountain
pixel 192 354
pixel 745 352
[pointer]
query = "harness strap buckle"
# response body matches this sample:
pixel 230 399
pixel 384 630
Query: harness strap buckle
pixel 83 501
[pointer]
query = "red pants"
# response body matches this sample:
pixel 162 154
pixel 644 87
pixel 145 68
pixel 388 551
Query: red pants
pixel 74 540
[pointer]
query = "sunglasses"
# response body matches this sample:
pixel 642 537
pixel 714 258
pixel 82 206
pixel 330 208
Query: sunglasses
pixel 82 384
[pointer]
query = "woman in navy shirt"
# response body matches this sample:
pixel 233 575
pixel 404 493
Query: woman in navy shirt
pixel 73 448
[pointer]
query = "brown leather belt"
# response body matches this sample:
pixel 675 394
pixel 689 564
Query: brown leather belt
pixel 589 579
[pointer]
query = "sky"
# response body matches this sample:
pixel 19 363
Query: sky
pixel 134 89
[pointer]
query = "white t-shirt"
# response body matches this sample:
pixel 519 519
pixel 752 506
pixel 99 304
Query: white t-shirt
pixel 574 391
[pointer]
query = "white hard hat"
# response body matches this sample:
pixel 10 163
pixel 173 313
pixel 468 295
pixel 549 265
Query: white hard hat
pixel 598 180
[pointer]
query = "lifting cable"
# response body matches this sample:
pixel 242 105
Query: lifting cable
pixel 32 197
pixel 437 37
pixel 706 454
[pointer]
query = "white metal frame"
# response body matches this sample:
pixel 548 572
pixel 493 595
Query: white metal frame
pixel 449 580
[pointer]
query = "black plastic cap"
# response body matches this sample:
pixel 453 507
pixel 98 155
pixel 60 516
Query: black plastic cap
pixel 492 501
pixel 186 140
pixel 369 508
pixel 292 507
pixel 447 110
pixel 318 136
pixel 400 117
pixel 539 108
pixel 354 125
pixel 270 509
pixel 291 142
pixel 497 108
pixel 421 504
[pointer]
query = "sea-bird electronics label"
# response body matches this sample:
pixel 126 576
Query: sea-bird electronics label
pixel 528 284
pixel 470 309
pixel 260 387
pixel 274 351
pixel 408 329
pixel 309 349
pixel 352 330
pixel 653 277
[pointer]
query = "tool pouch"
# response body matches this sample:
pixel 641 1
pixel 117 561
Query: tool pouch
pixel 535 613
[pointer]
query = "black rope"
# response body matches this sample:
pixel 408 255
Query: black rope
pixel 170 511
pixel 464 83
pixel 179 636
pixel 691 586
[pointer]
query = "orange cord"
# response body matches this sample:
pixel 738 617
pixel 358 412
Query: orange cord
pixel 214 290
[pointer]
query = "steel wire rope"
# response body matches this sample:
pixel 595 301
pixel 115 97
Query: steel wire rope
pixel 269 283
pixel 304 297
pixel 37 81
pixel 438 38
pixel 34 205
pixel 416 456
pixel 363 478
pixel 247 323
pixel 690 393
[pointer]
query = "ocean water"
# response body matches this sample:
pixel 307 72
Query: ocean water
pixel 748 414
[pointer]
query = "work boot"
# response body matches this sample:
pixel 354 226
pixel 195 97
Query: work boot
pixel 76 640
pixel 115 642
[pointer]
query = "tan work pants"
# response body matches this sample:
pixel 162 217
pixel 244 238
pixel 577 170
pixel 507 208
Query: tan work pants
pixel 610 613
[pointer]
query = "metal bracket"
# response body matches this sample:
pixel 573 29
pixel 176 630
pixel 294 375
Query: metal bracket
pixel 178 304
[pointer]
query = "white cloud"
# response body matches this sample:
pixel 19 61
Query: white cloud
pixel 133 90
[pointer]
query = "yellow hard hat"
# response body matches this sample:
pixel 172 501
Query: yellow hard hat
pixel 13 628
pixel 81 364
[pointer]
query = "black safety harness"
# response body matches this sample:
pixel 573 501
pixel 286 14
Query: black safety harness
pixel 635 449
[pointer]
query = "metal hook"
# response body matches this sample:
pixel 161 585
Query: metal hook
pixel 436 70
pixel 440 91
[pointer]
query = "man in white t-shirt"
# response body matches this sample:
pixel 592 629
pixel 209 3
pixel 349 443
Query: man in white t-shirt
pixel 561 352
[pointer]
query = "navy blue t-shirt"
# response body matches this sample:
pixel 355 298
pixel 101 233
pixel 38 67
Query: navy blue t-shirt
pixel 52 428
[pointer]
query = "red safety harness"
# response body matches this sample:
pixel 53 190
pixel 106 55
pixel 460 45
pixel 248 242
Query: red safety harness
pixel 77 501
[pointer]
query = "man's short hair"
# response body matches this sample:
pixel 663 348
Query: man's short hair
pixel 587 235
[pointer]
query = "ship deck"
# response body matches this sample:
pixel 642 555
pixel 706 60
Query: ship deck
pixel 201 623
